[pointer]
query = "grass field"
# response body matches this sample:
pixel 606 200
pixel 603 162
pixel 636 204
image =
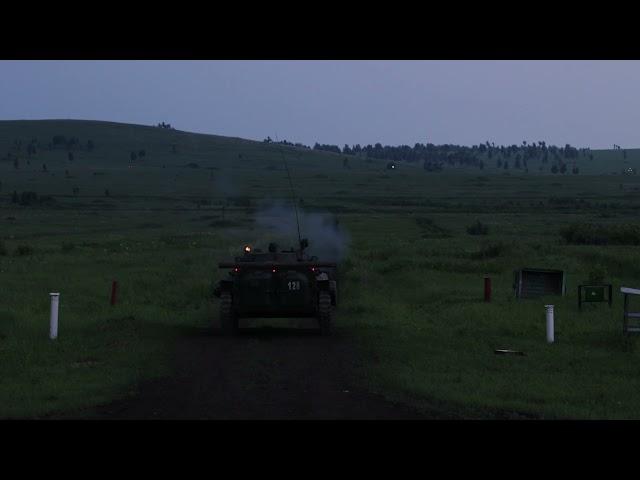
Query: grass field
pixel 411 287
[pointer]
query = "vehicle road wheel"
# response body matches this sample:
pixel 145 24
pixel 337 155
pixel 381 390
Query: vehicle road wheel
pixel 334 291
pixel 228 319
pixel 325 313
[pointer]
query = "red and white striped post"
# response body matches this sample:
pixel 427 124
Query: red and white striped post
pixel 114 289
pixel 487 288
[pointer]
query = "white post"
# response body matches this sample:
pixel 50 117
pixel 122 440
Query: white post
pixel 53 320
pixel 550 329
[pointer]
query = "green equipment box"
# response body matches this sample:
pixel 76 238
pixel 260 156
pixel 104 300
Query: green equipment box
pixel 595 294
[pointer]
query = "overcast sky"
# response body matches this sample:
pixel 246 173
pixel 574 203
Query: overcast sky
pixel 584 103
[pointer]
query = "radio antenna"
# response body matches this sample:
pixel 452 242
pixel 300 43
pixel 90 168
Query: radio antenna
pixel 293 193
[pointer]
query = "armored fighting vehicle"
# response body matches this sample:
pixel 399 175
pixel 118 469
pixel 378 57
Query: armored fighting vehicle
pixel 277 284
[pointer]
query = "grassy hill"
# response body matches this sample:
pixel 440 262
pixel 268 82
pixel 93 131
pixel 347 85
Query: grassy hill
pixel 172 149
pixel 185 169
pixel 174 162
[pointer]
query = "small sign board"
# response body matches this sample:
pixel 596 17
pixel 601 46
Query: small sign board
pixel 595 293
pixel 630 319
pixel 538 282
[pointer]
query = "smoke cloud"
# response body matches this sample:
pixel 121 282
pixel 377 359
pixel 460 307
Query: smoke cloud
pixel 327 239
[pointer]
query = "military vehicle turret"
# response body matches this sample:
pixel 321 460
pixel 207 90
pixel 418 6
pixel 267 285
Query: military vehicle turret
pixel 277 284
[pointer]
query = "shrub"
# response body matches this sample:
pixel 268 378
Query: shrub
pixel 490 251
pixel 379 255
pixel 23 250
pixel 46 200
pixel 478 228
pixel 28 198
pixel 594 234
pixel 430 229
pixel 597 275
pixel 385 268
pixel 67 247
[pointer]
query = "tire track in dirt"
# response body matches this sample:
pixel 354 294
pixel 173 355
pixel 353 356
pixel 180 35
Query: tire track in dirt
pixel 264 373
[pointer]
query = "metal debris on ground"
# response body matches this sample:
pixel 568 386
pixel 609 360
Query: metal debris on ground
pixel 509 352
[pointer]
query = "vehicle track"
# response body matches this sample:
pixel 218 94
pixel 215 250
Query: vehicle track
pixel 263 373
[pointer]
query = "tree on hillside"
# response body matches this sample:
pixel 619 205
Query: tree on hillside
pixel 90 145
pixel 27 198
pixel 554 168
pixel 58 140
pixel 345 162
pixel 70 156
pixel 72 142
pixel 329 148
pixel 563 168
pixel 44 167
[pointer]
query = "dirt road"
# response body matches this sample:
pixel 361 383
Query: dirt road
pixel 264 373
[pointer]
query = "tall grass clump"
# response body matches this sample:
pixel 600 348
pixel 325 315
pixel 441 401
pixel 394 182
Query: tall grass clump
pixel 478 228
pixel 493 250
pixel 23 250
pixel 67 247
pixel 596 234
pixel 597 275
pixel 430 229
